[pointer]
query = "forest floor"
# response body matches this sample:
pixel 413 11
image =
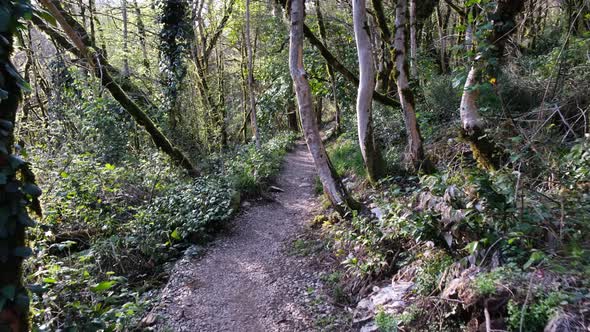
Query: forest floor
pixel 250 279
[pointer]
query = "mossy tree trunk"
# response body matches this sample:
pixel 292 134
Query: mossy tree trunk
pixel 487 154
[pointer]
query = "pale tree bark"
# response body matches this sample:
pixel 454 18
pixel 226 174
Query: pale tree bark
pixel 413 41
pixel 485 151
pixel 251 79
pixel 125 39
pixel 331 72
pixel 366 87
pixel 333 188
pixel 415 146
pixel 100 64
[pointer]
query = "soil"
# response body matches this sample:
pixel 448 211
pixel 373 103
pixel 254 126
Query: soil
pixel 250 280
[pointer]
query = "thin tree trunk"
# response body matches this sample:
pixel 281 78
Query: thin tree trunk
pixel 125 39
pixel 331 73
pixel 333 188
pixel 443 41
pixel 141 33
pixel 251 79
pixel 415 149
pixel 160 140
pixel 413 41
pixel 369 151
pixel 384 78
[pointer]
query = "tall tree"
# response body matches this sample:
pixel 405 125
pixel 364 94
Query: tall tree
pixel 415 147
pixel 369 150
pixel 174 37
pixel 333 187
pixel 251 95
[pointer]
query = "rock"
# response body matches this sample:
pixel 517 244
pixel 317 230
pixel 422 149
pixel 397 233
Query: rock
pixel 273 188
pixel 148 320
pixel 377 212
pixel 390 299
pixel 371 327
pixel 246 204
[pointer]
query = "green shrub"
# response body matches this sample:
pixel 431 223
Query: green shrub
pixel 536 313
pixel 252 168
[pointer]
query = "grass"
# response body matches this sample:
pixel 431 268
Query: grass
pixel 346 157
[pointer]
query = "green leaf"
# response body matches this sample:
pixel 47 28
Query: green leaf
pixel 536 257
pixel 25 220
pixel 49 280
pixel 32 189
pixel 15 162
pixel 8 292
pixel 175 235
pixel 23 252
pixel 103 286
pixel 109 167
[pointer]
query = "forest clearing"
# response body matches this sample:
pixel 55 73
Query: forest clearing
pixel 295 165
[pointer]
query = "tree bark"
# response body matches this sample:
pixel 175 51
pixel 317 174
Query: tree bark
pixel 333 188
pixel 485 151
pixel 141 34
pixel 369 151
pixel 253 118
pixel 125 39
pixel 413 41
pixel 98 63
pixel 415 149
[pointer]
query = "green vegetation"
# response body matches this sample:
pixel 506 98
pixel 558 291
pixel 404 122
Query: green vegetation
pixel 134 129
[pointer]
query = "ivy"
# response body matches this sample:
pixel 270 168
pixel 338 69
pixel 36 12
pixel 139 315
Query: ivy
pixel 174 45
pixel 18 191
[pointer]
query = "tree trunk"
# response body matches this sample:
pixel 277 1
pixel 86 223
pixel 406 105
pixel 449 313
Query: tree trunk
pixel 14 312
pixel 333 188
pixel 338 66
pixel 251 79
pixel 331 73
pixel 385 83
pixel 485 152
pixel 371 155
pixel 413 41
pixel 125 39
pixel 160 140
pixel 415 149
pixel 141 34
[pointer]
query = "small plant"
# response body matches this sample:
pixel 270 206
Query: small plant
pixel 385 322
pixel 534 315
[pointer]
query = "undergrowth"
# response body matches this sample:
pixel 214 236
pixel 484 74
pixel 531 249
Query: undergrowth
pixel 111 230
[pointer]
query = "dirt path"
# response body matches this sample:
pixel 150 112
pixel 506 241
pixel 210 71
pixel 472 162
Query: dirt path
pixel 247 281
